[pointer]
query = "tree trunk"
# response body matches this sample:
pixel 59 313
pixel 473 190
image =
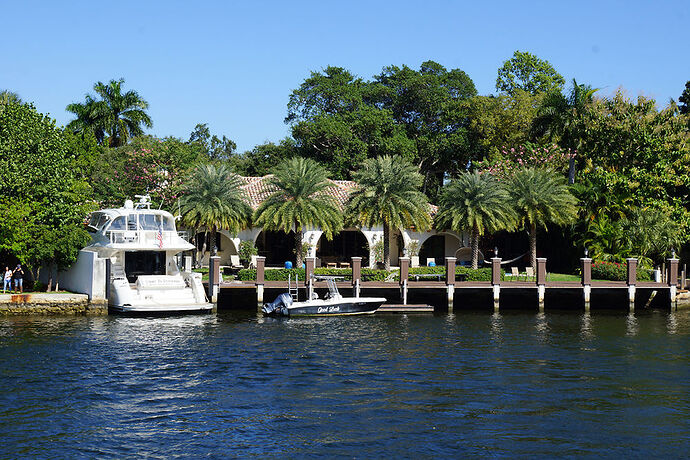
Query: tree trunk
pixel 533 245
pixel 298 247
pixel 475 248
pixel 50 278
pixel 386 246
pixel 212 244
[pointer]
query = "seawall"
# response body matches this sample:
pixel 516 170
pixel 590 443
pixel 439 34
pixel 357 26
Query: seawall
pixel 45 303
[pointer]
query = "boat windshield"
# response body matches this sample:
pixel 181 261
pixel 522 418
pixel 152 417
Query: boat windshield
pixel 154 221
pixel 97 221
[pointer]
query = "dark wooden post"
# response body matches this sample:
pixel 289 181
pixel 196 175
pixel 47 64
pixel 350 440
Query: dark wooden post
pixel 404 270
pixel 309 265
pixel 541 281
pixel 260 267
pixel 586 268
pixel 631 280
pixel 586 278
pixel 450 282
pixel 213 277
pixel 673 280
pixel 496 280
pixel 450 270
pixel 404 273
pixel 356 274
pixel 108 278
pixel 495 271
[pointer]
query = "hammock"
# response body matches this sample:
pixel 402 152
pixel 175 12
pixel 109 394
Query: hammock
pixel 504 262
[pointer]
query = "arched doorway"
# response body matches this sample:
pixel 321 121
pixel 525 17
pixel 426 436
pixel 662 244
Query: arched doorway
pixel 433 248
pixel 343 246
pixel 277 247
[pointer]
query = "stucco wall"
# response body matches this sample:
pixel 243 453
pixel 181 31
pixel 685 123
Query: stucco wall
pixel 85 276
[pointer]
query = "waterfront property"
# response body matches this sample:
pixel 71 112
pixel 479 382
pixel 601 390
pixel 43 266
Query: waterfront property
pixel 277 247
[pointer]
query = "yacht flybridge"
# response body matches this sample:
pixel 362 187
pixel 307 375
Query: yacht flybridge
pixel 141 244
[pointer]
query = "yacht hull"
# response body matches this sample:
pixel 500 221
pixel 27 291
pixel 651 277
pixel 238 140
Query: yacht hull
pixel 162 309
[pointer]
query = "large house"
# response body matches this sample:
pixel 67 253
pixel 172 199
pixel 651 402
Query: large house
pixel 277 247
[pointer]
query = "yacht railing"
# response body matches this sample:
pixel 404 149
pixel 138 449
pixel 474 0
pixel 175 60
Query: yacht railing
pixel 143 237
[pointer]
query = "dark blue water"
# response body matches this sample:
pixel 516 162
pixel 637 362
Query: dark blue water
pixel 234 385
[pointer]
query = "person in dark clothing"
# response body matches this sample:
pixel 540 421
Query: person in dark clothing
pixel 18 276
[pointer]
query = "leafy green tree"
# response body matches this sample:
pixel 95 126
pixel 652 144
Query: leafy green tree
pixel 300 201
pixel 335 123
pixel 8 96
pixel 388 195
pixel 495 122
pixel 684 100
pixel 430 104
pixel 116 115
pixel 261 160
pixel 212 199
pixel 215 148
pixel 541 197
pixel 526 72
pixel 45 193
pixel 477 203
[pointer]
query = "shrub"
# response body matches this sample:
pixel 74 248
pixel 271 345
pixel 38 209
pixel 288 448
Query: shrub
pixel 615 271
pixel 480 274
pixel 247 250
pixel 368 274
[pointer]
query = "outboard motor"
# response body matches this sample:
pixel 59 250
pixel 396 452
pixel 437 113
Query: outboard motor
pixel 278 307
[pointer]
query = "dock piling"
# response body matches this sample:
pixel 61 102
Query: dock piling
pixel 631 281
pixel 673 280
pixel 213 278
pixel 309 265
pixel 450 282
pixel 404 274
pixel 356 275
pixel 586 278
pixel 496 281
pixel 541 281
pixel 260 267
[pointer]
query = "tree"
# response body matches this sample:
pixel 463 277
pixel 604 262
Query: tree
pixel 429 104
pixel 212 199
pixel 262 159
pixel 300 201
pixel 117 115
pixel 541 197
pixel 44 191
pixel 526 72
pixel 478 203
pixel 8 96
pixel 214 147
pixel 335 122
pixel 388 194
pixel 684 100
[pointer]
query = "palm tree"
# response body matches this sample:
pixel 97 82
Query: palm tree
pixel 212 198
pixel 541 197
pixel 300 200
pixel 478 203
pixel 388 194
pixel 118 115
pixel 7 97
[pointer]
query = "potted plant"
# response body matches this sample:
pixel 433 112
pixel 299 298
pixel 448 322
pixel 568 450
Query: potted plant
pixel 377 252
pixel 413 252
pixel 247 250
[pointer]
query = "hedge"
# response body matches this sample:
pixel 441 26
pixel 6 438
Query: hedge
pixel 615 271
pixel 281 274
pixel 480 274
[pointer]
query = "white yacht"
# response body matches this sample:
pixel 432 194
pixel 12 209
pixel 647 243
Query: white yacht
pixel 141 244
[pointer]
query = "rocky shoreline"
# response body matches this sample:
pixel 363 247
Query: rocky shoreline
pixel 46 303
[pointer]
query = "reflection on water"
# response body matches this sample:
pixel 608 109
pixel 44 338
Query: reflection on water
pixel 468 384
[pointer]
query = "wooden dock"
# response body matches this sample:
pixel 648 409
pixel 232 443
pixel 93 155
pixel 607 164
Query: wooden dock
pixel 408 308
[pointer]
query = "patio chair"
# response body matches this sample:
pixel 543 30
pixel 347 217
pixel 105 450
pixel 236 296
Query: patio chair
pixel 514 274
pixel 529 274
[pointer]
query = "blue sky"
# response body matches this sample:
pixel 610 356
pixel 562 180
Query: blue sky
pixel 233 64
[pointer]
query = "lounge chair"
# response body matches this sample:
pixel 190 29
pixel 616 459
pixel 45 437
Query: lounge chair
pixel 514 274
pixel 529 274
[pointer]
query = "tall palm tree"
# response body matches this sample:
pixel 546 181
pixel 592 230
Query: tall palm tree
pixel 300 201
pixel 541 197
pixel 7 97
pixel 477 203
pixel 212 198
pixel 388 194
pixel 117 114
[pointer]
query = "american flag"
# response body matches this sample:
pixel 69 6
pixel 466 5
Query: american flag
pixel 159 236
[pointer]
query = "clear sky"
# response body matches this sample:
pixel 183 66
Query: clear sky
pixel 233 64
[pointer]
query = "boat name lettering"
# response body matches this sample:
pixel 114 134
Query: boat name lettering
pixel 328 309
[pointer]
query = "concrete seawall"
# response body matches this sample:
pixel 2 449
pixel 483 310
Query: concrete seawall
pixel 43 303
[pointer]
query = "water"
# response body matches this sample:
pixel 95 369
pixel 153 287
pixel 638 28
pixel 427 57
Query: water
pixel 234 385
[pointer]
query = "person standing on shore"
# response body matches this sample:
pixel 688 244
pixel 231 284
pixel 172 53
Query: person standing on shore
pixel 18 275
pixel 7 280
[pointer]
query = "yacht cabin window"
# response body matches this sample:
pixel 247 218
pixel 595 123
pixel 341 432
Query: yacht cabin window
pixel 118 224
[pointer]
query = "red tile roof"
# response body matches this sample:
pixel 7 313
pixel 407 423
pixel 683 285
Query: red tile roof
pixel 258 190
